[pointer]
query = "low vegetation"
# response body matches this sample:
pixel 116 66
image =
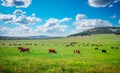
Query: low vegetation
pixel 89 59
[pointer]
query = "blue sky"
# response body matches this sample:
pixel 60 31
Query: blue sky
pixel 56 17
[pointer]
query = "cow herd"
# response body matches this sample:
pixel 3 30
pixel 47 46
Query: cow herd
pixel 70 44
pixel 77 51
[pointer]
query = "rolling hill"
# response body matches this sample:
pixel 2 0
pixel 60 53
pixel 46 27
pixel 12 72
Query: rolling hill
pixel 99 30
pixel 26 37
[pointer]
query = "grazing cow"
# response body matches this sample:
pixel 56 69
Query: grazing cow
pixel 104 51
pixel 10 44
pixel 3 44
pixel 112 47
pixel 42 44
pixel 24 50
pixel 92 44
pixel 116 47
pixel 67 45
pixel 76 51
pixel 19 48
pixel 52 51
pixel 96 48
pixel 97 45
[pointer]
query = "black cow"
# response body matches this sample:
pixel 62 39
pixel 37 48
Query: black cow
pixel 116 47
pixel 104 51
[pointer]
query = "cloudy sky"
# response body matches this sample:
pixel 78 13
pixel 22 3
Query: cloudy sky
pixel 56 17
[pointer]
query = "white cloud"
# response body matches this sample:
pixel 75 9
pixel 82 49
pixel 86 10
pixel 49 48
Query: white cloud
pixel 26 20
pixel 65 19
pixel 119 21
pixel 113 16
pixel 24 29
pixel 16 3
pixel 53 26
pixel 102 3
pixel 85 23
pixel 115 1
pixel 21 19
pixel 111 5
pixel 80 17
pixel 4 30
pixel 7 18
pixel 20 30
pixel 18 12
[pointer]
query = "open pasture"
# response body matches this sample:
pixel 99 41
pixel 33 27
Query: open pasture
pixel 90 59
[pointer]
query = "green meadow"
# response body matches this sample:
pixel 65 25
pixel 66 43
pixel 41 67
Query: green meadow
pixel 39 60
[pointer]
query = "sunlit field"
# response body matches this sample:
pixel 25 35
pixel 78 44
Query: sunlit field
pixel 39 60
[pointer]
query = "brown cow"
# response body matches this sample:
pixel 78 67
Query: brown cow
pixel 19 48
pixel 52 51
pixel 76 51
pixel 96 48
pixel 24 50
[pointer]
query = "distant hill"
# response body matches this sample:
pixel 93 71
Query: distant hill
pixel 99 30
pixel 27 37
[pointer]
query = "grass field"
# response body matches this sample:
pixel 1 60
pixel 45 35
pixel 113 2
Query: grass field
pixel 38 60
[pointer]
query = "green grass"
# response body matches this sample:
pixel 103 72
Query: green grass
pixel 38 60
